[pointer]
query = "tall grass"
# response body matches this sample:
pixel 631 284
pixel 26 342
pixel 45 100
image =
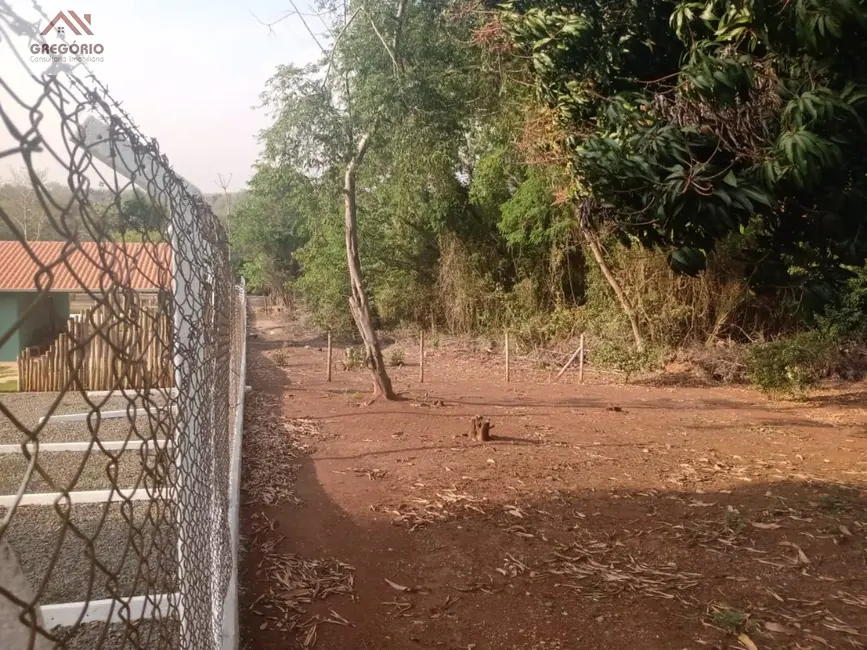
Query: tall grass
pixel 680 311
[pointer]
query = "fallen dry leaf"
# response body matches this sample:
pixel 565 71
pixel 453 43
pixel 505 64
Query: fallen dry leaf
pixel 310 638
pixel 762 526
pixel 298 581
pixel 423 512
pixel 272 447
pixel 399 607
pixel 747 642
pixel 852 599
pixel 845 531
pixel 802 557
pixel 777 627
pixel 396 586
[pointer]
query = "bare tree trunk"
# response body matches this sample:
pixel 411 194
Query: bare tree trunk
pixel 625 303
pixel 223 183
pixel 358 303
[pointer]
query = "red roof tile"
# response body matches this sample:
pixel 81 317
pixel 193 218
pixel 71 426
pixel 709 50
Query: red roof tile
pixel 62 266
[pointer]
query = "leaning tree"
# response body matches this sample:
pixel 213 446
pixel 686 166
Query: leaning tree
pixel 387 82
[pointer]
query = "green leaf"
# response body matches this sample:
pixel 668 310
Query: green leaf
pixel 757 195
pixel 722 194
pixel 688 260
pixel 731 179
pixel 744 202
pixel 720 76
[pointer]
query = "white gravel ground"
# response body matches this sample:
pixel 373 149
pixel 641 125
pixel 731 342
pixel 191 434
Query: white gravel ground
pixel 77 471
pixel 142 635
pixel 109 549
pixel 28 408
pixel 93 551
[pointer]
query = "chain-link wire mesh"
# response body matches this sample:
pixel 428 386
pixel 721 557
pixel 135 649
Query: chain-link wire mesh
pixel 121 369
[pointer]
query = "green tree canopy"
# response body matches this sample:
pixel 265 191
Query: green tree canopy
pixel 686 122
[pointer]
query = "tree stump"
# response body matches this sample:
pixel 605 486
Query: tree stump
pixel 481 431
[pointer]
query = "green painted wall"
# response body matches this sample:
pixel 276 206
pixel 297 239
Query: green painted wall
pixel 62 303
pixel 8 316
pixel 46 320
pixel 48 316
pixel 36 319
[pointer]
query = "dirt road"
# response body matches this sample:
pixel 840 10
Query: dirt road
pixel 599 516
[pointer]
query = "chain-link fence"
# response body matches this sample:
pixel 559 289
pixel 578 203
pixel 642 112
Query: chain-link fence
pixel 119 417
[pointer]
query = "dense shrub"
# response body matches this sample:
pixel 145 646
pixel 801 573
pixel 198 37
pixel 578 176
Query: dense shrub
pixel 793 363
pixel 847 319
pixel 621 356
pixel 395 357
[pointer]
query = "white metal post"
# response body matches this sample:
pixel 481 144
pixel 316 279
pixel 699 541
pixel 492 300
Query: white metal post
pixel 217 550
pixel 230 605
pixel 186 289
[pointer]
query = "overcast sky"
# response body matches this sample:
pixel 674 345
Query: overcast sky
pixel 188 72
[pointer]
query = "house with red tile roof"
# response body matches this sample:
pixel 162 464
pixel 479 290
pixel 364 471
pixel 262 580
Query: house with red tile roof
pixel 37 279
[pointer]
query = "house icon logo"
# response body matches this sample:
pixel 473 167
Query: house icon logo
pixel 62 51
pixel 78 25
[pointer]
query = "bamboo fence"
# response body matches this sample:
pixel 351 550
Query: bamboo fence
pixel 110 347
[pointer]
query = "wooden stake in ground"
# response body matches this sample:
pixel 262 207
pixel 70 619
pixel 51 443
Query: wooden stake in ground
pixel 481 429
pixel 329 355
pixel 421 357
pixel 508 369
pixel 581 362
pixel 580 351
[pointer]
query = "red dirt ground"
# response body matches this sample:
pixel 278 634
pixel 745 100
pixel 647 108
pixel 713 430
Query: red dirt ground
pixel 600 516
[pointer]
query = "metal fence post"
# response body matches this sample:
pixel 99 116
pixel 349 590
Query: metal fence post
pixel 239 376
pixel 181 366
pixel 188 353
